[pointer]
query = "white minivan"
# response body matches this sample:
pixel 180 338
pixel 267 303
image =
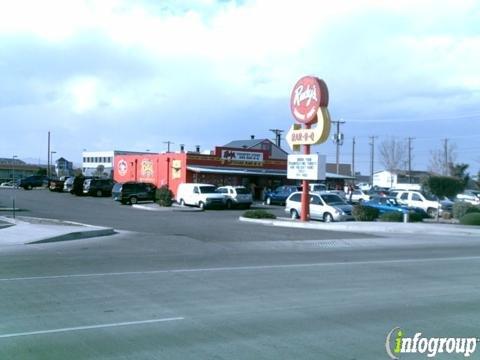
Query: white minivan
pixel 201 195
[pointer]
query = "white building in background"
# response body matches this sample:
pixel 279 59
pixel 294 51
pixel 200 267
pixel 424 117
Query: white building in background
pixel 402 180
pixel 94 161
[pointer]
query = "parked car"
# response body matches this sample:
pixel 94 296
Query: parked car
pixel 236 196
pixel 364 186
pixel 132 192
pixel 429 203
pixel 98 187
pixel 7 184
pixel 358 196
pixel 317 187
pixel 323 206
pixel 470 196
pixel 280 194
pixel 58 184
pixel 68 185
pixel 387 204
pixel 31 182
pixel 201 195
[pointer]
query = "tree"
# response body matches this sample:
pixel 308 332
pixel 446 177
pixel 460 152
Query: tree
pixel 392 154
pixel 442 186
pixel 41 172
pixel 437 159
pixel 459 171
pixel 99 171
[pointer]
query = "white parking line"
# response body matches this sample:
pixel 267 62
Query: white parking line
pixel 100 326
pixel 245 268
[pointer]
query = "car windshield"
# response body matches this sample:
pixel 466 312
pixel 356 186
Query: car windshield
pixel 207 189
pixel 430 197
pixel 332 199
pixel 242 191
pixel 393 202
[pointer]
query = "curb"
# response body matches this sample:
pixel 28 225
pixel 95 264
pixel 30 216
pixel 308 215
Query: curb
pixel 82 231
pixel 173 208
pixel 76 235
pixel 366 227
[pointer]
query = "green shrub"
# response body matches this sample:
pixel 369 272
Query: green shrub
pixel 470 219
pixel 364 213
pixel 164 196
pixel 473 209
pixel 461 208
pixel 258 214
pixel 416 217
pixel 391 217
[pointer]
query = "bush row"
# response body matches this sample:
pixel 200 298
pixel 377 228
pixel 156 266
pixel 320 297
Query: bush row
pixel 460 209
pixel 366 213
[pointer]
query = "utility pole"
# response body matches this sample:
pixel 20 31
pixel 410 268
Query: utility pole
pixel 278 136
pixel 410 159
pixel 168 145
pixel 445 150
pixel 338 140
pixel 353 157
pixel 48 156
pixel 372 156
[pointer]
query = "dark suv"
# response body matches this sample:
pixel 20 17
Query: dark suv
pixel 30 182
pixel 133 192
pixel 98 187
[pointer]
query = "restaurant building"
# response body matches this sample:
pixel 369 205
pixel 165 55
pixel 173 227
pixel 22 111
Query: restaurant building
pixel 257 164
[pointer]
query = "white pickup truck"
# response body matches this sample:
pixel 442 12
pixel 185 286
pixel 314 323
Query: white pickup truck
pixel 416 199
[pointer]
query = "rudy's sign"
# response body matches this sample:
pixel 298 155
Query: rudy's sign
pixel 308 103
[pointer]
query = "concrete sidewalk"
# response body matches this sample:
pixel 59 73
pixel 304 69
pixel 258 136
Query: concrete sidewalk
pixel 375 227
pixel 27 230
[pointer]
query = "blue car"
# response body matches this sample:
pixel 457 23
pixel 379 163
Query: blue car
pixel 280 194
pixel 386 204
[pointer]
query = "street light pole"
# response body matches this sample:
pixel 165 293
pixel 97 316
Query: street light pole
pixel 51 162
pixel 13 170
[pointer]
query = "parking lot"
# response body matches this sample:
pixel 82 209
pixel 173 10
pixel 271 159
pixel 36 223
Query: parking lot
pixel 202 285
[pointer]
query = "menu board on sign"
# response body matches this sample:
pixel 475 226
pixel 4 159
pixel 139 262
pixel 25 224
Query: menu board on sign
pixel 306 167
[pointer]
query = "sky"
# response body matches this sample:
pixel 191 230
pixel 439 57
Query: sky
pixel 130 75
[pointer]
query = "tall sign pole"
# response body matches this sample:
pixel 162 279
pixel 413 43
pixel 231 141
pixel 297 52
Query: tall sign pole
pixel 308 103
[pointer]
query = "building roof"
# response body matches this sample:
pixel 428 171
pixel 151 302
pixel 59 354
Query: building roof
pixel 10 161
pixel 250 143
pixel 244 144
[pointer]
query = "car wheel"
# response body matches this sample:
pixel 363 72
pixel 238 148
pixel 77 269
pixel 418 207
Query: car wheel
pixel 268 201
pixel 201 205
pixel 432 212
pixel 182 202
pixel 293 214
pixel 229 204
pixel 133 200
pixel 99 193
pixel 327 217
pixel 360 201
pixel 248 206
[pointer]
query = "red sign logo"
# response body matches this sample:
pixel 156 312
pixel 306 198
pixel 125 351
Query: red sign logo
pixel 309 93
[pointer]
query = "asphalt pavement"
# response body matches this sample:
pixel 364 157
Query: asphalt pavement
pixel 203 285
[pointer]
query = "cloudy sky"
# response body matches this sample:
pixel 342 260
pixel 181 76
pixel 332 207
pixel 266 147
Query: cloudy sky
pixel 130 75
